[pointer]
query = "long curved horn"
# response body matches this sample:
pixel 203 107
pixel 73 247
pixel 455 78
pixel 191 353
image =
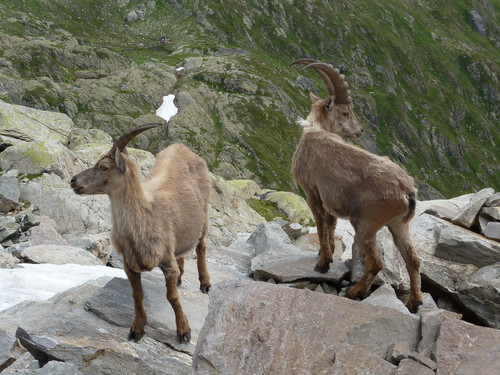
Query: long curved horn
pixel 322 74
pixel 341 86
pixel 123 141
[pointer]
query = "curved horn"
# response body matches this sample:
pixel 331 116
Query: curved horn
pixel 123 141
pixel 341 86
pixel 322 74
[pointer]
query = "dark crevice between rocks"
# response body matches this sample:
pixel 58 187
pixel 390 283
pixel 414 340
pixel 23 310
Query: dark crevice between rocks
pixel 34 348
pixel 436 291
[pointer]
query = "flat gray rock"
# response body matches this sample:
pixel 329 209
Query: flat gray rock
pixel 62 329
pixel 466 247
pixel 59 254
pixel 492 231
pixel 289 267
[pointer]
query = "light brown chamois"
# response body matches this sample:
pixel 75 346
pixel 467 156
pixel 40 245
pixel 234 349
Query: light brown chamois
pixel 342 180
pixel 156 221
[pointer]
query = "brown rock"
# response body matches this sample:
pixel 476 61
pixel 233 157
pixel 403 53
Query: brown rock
pixel 255 328
pixel 466 349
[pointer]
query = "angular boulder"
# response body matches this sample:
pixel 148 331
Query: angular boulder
pixel 463 246
pixel 292 205
pixel 32 125
pixel 466 349
pixel 467 214
pixel 254 328
pixel 35 158
pixel 9 194
pixel 59 254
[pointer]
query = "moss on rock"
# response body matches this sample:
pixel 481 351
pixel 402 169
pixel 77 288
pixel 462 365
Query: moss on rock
pixel 292 205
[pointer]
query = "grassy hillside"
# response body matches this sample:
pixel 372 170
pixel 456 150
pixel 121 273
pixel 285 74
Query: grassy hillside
pixel 424 81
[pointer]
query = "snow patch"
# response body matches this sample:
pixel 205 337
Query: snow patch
pixel 167 109
pixel 43 281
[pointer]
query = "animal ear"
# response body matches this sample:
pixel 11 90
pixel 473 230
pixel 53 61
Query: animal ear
pixel 330 103
pixel 120 163
pixel 314 98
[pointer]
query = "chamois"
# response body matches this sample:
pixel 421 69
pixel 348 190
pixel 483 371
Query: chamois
pixel 156 221
pixel 342 180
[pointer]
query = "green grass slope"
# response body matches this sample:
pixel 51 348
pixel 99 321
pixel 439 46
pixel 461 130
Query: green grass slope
pixel 424 81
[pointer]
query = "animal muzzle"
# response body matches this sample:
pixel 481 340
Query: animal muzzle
pixel 76 187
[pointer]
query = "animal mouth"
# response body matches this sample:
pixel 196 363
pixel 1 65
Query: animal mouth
pixel 79 190
pixel 357 135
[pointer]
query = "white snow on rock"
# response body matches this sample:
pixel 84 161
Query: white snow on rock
pixel 43 281
pixel 168 109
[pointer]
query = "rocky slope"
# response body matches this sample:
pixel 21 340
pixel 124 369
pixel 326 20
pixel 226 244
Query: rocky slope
pixel 62 311
pixel 424 77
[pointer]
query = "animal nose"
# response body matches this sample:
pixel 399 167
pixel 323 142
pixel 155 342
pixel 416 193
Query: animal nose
pixel 73 182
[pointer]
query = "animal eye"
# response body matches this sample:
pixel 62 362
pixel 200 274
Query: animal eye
pixel 345 114
pixel 103 168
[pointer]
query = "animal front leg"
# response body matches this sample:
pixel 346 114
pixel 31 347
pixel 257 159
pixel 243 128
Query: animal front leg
pixel 140 319
pixel 171 273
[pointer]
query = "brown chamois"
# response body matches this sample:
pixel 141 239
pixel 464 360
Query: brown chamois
pixel 342 180
pixel 156 221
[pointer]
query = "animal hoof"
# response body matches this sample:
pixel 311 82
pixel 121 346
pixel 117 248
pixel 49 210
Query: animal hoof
pixel 349 294
pixel 322 269
pixel 135 336
pixel 184 337
pixel 204 288
pixel 412 306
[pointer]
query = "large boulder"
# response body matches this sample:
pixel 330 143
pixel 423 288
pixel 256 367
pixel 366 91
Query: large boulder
pixel 229 214
pixel 459 264
pixel 246 188
pixel 248 324
pixel 292 205
pixel 35 158
pixel 467 215
pixel 466 349
pixel 72 213
pixel 59 254
pixel 32 125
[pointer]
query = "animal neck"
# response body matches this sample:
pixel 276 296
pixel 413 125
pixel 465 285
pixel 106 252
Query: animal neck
pixel 314 122
pixel 130 207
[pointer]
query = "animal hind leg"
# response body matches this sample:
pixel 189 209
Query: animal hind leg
pixel 401 235
pixel 331 225
pixel 171 272
pixel 373 264
pixel 180 264
pixel 325 253
pixel 140 318
pixel 201 263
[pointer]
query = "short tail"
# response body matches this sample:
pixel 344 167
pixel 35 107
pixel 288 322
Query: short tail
pixel 412 203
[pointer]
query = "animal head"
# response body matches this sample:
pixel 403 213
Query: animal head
pixel 334 113
pixel 109 171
